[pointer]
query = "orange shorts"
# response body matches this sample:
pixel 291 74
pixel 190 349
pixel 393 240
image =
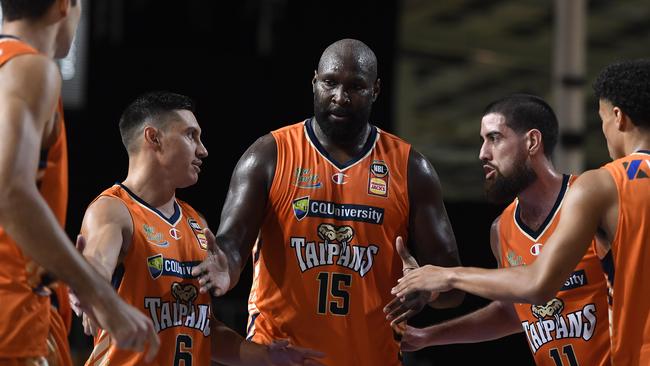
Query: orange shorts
pixel 58 351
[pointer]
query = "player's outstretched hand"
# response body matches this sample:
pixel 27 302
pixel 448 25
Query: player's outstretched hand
pixel 410 339
pixel 429 279
pixel 213 273
pixel 128 327
pixel 282 353
pixel 402 308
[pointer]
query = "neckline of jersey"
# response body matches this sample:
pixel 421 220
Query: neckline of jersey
pixel 171 220
pixel 536 234
pixel 367 147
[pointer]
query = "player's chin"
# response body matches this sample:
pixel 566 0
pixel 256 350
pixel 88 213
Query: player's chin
pixel 191 180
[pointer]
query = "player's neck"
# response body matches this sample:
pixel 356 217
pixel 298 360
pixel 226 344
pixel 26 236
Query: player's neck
pixel 157 192
pixel 538 199
pixel 342 151
pixel 637 141
pixel 33 34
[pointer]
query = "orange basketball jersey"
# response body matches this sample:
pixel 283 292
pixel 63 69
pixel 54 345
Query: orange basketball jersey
pixel 155 277
pixel 628 267
pixel 25 316
pixel 573 328
pixel 325 260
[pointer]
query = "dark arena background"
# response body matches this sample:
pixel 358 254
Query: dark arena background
pixel 248 65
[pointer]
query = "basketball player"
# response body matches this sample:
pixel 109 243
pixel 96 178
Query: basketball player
pixel 327 196
pixel 519 133
pixel 611 202
pixel 33 197
pixel 146 241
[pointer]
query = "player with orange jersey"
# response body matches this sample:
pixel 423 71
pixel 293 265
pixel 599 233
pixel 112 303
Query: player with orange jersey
pixel 146 242
pixel 324 198
pixel 519 133
pixel 611 203
pixel 34 249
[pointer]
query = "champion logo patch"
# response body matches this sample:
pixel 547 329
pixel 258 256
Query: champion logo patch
pixel 536 248
pixel 175 233
pixel 340 178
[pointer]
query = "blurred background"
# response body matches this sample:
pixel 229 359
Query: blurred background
pixel 248 64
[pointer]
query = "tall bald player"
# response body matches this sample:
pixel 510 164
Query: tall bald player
pixel 327 196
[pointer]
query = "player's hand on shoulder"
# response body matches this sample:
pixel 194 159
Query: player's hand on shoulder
pixel 214 272
pixel 282 353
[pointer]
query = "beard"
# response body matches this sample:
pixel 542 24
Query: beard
pixel 504 189
pixel 341 131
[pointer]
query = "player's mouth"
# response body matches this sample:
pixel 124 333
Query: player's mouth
pixel 197 165
pixel 339 115
pixel 490 171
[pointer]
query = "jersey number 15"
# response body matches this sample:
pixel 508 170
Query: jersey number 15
pixel 332 292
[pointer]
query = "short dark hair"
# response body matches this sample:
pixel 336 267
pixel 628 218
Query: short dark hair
pixel 151 107
pixel 524 112
pixel 26 9
pixel 626 85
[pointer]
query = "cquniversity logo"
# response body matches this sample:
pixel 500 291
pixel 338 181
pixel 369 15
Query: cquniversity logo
pixel 301 207
pixel 155 265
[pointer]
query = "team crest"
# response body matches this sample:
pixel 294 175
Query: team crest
pixel 378 179
pixel 155 265
pixel 184 293
pixel 198 232
pixel 301 207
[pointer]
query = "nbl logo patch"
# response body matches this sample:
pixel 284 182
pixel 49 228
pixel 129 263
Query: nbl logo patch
pixel 378 179
pixel 198 233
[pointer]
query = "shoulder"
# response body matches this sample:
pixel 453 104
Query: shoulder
pixel 593 192
pixel 264 144
pixel 261 153
pixel 597 182
pixel 392 137
pixel 108 209
pixel 32 71
pixel 32 78
pixel 420 169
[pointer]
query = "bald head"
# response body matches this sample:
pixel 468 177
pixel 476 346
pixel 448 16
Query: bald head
pixel 350 52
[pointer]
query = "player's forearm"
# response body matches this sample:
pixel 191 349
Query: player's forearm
pixel 230 348
pixel 100 266
pixel 234 251
pixel 449 299
pixel 514 284
pixel 494 321
pixel 28 220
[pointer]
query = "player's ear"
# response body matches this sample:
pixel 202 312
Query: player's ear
pixel 313 81
pixel 152 136
pixel 534 141
pixel 620 118
pixel 376 88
